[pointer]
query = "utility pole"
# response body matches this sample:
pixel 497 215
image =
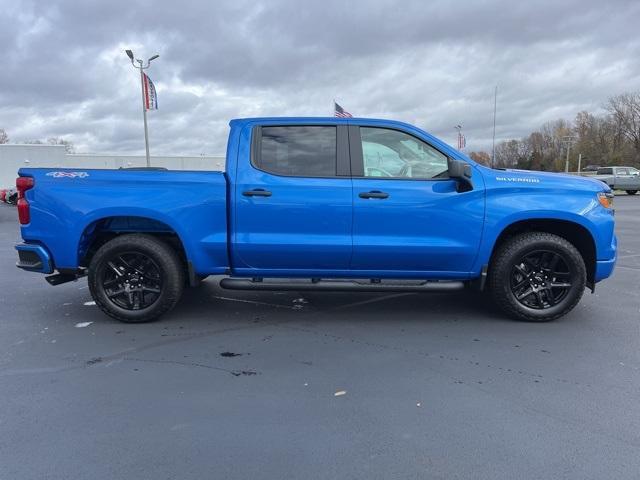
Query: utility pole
pixel 579 162
pixel 568 139
pixel 143 67
pixel 493 142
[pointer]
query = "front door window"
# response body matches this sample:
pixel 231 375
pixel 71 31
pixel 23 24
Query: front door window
pixel 394 154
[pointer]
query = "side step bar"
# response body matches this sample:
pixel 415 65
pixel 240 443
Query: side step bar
pixel 276 284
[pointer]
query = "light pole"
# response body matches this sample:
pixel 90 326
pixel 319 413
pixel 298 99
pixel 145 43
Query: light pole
pixel 143 67
pixel 493 142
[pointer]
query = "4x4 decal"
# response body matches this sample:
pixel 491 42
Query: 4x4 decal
pixel 68 174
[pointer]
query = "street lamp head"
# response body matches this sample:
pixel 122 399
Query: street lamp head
pixel 153 58
pixel 129 54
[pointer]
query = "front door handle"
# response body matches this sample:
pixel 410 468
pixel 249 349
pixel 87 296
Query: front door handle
pixel 374 194
pixel 257 192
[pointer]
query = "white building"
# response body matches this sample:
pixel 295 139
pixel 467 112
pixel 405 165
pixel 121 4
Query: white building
pixel 15 156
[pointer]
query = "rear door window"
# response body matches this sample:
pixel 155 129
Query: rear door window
pixel 298 151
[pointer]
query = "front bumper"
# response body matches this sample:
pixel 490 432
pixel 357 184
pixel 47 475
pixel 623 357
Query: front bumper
pixel 604 268
pixel 34 258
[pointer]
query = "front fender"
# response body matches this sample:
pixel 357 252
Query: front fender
pixel 505 207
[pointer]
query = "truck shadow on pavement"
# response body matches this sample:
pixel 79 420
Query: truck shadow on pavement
pixel 209 301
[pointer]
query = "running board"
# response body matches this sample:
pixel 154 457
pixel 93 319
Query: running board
pixel 374 285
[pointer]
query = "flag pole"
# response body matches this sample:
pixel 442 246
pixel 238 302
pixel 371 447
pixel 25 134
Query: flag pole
pixel 459 130
pixel 144 114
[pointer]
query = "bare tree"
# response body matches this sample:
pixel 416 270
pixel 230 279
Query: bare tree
pixel 598 141
pixel 481 157
pixel 4 138
pixel 625 112
pixel 68 145
pixel 608 139
pixel 509 153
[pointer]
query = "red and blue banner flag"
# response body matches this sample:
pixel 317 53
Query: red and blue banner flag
pixel 150 96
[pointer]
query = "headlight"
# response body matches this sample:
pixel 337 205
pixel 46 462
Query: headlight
pixel 606 199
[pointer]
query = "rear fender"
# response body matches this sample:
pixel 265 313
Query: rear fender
pixel 130 220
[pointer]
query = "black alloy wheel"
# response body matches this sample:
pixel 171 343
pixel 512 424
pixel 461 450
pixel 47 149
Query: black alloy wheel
pixel 541 279
pixel 136 277
pixel 537 276
pixel 132 281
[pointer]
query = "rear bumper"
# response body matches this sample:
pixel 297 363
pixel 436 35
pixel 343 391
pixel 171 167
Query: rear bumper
pixel 34 258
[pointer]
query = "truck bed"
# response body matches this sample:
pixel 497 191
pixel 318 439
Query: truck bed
pixel 67 205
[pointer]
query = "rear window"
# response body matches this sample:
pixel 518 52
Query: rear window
pixel 299 151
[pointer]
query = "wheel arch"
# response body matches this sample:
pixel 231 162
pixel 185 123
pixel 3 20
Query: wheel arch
pixel 103 229
pixel 576 234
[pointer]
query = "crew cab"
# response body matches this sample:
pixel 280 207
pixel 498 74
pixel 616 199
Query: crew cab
pixel 320 204
pixel 620 178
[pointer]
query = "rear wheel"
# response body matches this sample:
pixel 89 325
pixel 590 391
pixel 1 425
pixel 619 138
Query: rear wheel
pixel 632 192
pixel 537 277
pixel 136 278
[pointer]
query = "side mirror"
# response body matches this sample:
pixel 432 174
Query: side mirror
pixel 459 170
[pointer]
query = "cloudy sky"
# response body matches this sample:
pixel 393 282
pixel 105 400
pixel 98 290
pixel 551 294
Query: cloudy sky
pixel 63 71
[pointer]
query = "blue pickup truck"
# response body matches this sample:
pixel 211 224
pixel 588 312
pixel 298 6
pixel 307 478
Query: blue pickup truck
pixel 320 204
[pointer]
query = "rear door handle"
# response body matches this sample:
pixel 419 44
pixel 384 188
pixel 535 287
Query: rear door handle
pixel 374 194
pixel 257 192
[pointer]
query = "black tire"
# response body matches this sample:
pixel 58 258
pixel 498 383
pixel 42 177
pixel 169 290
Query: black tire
pixel 548 265
pixel 632 192
pixel 136 278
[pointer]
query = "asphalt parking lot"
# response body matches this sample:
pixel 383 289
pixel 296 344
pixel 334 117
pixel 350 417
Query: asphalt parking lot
pixel 242 385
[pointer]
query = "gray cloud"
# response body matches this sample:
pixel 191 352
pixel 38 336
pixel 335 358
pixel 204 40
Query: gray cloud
pixel 434 64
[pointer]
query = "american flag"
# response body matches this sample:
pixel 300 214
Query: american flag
pixel 338 111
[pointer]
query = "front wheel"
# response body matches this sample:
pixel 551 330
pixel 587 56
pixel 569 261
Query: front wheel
pixel 136 278
pixel 632 192
pixel 537 277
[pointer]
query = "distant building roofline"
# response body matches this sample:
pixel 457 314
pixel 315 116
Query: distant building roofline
pixel 31 145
